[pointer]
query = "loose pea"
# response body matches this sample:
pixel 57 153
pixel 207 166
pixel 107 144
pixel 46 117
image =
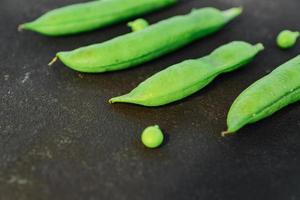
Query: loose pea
pixel 188 77
pixel 152 137
pixel 138 25
pixel 156 40
pixel 92 15
pixel 287 39
pixel 266 96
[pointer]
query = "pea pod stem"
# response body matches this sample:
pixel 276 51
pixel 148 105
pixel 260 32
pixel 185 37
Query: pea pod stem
pixel 225 133
pixel 145 45
pixel 188 77
pixel 53 61
pixel 20 28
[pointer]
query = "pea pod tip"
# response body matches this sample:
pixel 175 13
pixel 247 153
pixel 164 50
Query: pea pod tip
pixel 125 99
pixel 259 46
pixel 116 100
pixel 232 13
pixel 25 26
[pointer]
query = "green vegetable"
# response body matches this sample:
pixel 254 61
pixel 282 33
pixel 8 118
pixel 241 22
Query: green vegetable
pixel 138 25
pixel 152 137
pixel 188 77
pixel 266 96
pixel 287 39
pixel 92 15
pixel 138 47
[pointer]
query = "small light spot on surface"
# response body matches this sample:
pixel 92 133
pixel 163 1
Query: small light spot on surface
pixel 17 180
pixel 268 71
pixel 6 77
pixel 80 76
pixel 26 77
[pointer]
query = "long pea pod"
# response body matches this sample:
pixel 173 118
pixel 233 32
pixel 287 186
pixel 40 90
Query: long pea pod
pixel 183 79
pixel 92 15
pixel 156 40
pixel 266 96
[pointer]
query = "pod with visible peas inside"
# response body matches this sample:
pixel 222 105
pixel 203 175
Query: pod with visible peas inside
pixel 188 77
pixel 91 15
pixel 156 40
pixel 266 96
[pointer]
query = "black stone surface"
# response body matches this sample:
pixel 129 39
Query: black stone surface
pixel 61 140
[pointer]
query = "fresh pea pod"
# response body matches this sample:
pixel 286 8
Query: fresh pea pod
pixel 92 15
pixel 266 96
pixel 156 40
pixel 188 77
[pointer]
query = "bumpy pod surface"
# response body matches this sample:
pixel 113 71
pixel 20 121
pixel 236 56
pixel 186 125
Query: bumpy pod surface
pixel 156 40
pixel 266 96
pixel 92 15
pixel 188 77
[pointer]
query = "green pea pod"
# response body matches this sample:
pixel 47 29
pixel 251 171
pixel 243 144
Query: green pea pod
pixel 188 77
pixel 156 40
pixel 92 15
pixel 266 96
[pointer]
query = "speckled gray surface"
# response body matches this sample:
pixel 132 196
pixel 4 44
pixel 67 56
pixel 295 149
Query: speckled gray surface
pixel 61 140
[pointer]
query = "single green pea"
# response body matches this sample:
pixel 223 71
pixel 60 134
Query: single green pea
pixel 183 79
pixel 152 137
pixel 138 25
pixel 135 48
pixel 287 39
pixel 92 15
pixel 266 96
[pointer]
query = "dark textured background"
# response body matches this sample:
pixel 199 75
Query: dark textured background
pixel 60 139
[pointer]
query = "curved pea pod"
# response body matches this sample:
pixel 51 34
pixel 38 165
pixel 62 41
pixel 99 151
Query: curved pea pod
pixel 266 96
pixel 156 40
pixel 92 15
pixel 183 79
